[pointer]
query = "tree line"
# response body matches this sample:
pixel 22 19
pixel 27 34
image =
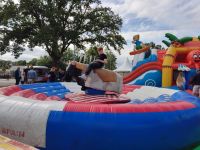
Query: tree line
pixel 84 57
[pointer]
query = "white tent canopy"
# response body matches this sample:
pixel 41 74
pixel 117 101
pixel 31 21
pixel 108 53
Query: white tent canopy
pixel 125 67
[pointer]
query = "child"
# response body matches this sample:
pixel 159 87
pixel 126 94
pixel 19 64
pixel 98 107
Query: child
pixel 180 81
pixel 98 63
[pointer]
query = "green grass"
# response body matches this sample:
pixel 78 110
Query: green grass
pixel 197 148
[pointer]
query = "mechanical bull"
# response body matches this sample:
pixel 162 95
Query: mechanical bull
pixel 101 79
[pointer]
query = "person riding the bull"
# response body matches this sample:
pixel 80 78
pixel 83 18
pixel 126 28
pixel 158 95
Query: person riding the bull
pixel 98 63
pixel 102 79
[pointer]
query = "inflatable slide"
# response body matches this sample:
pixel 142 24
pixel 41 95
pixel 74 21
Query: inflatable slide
pixel 162 67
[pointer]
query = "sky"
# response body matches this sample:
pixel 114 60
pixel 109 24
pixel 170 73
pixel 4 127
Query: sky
pixel 149 18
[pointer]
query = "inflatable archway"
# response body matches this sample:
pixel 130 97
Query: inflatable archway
pixel 51 117
pixel 169 59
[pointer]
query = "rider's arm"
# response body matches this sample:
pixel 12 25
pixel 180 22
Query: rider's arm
pixel 105 61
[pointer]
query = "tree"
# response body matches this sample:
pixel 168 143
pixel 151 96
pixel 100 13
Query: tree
pixel 111 65
pixel 92 53
pixel 57 24
pixel 20 63
pixel 33 62
pixel 5 64
pixel 44 61
pixel 69 55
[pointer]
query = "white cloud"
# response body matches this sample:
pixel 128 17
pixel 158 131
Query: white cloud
pixel 180 14
pixel 27 54
pixel 152 19
pixel 149 18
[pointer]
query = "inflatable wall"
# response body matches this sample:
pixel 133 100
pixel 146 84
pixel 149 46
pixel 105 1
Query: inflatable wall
pixel 159 119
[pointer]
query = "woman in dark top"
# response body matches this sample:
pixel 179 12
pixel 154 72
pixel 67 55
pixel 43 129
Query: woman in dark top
pixel 98 63
pixel 52 75
pixel 61 75
pixel 196 84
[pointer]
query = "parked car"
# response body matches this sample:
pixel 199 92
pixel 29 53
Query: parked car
pixel 42 73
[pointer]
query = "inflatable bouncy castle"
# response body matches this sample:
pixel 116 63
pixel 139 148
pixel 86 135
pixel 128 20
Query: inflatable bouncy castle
pixel 59 116
pixel 56 116
pixel 162 66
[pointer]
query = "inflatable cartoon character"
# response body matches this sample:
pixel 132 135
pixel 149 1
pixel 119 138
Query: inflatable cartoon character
pixel 140 51
pixel 194 59
pixel 137 42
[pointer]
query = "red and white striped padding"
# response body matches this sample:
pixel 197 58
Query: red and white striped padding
pixel 105 99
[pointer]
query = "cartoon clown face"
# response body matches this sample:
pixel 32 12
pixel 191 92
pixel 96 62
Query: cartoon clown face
pixel 194 58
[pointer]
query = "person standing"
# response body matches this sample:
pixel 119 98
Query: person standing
pixel 17 75
pixel 195 81
pixel 52 75
pixel 32 75
pixel 180 81
pixel 61 75
pixel 22 76
pixel 26 74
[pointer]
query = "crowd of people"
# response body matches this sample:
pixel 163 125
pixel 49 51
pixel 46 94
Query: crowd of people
pixel 56 75
pixel 27 76
pixel 30 75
